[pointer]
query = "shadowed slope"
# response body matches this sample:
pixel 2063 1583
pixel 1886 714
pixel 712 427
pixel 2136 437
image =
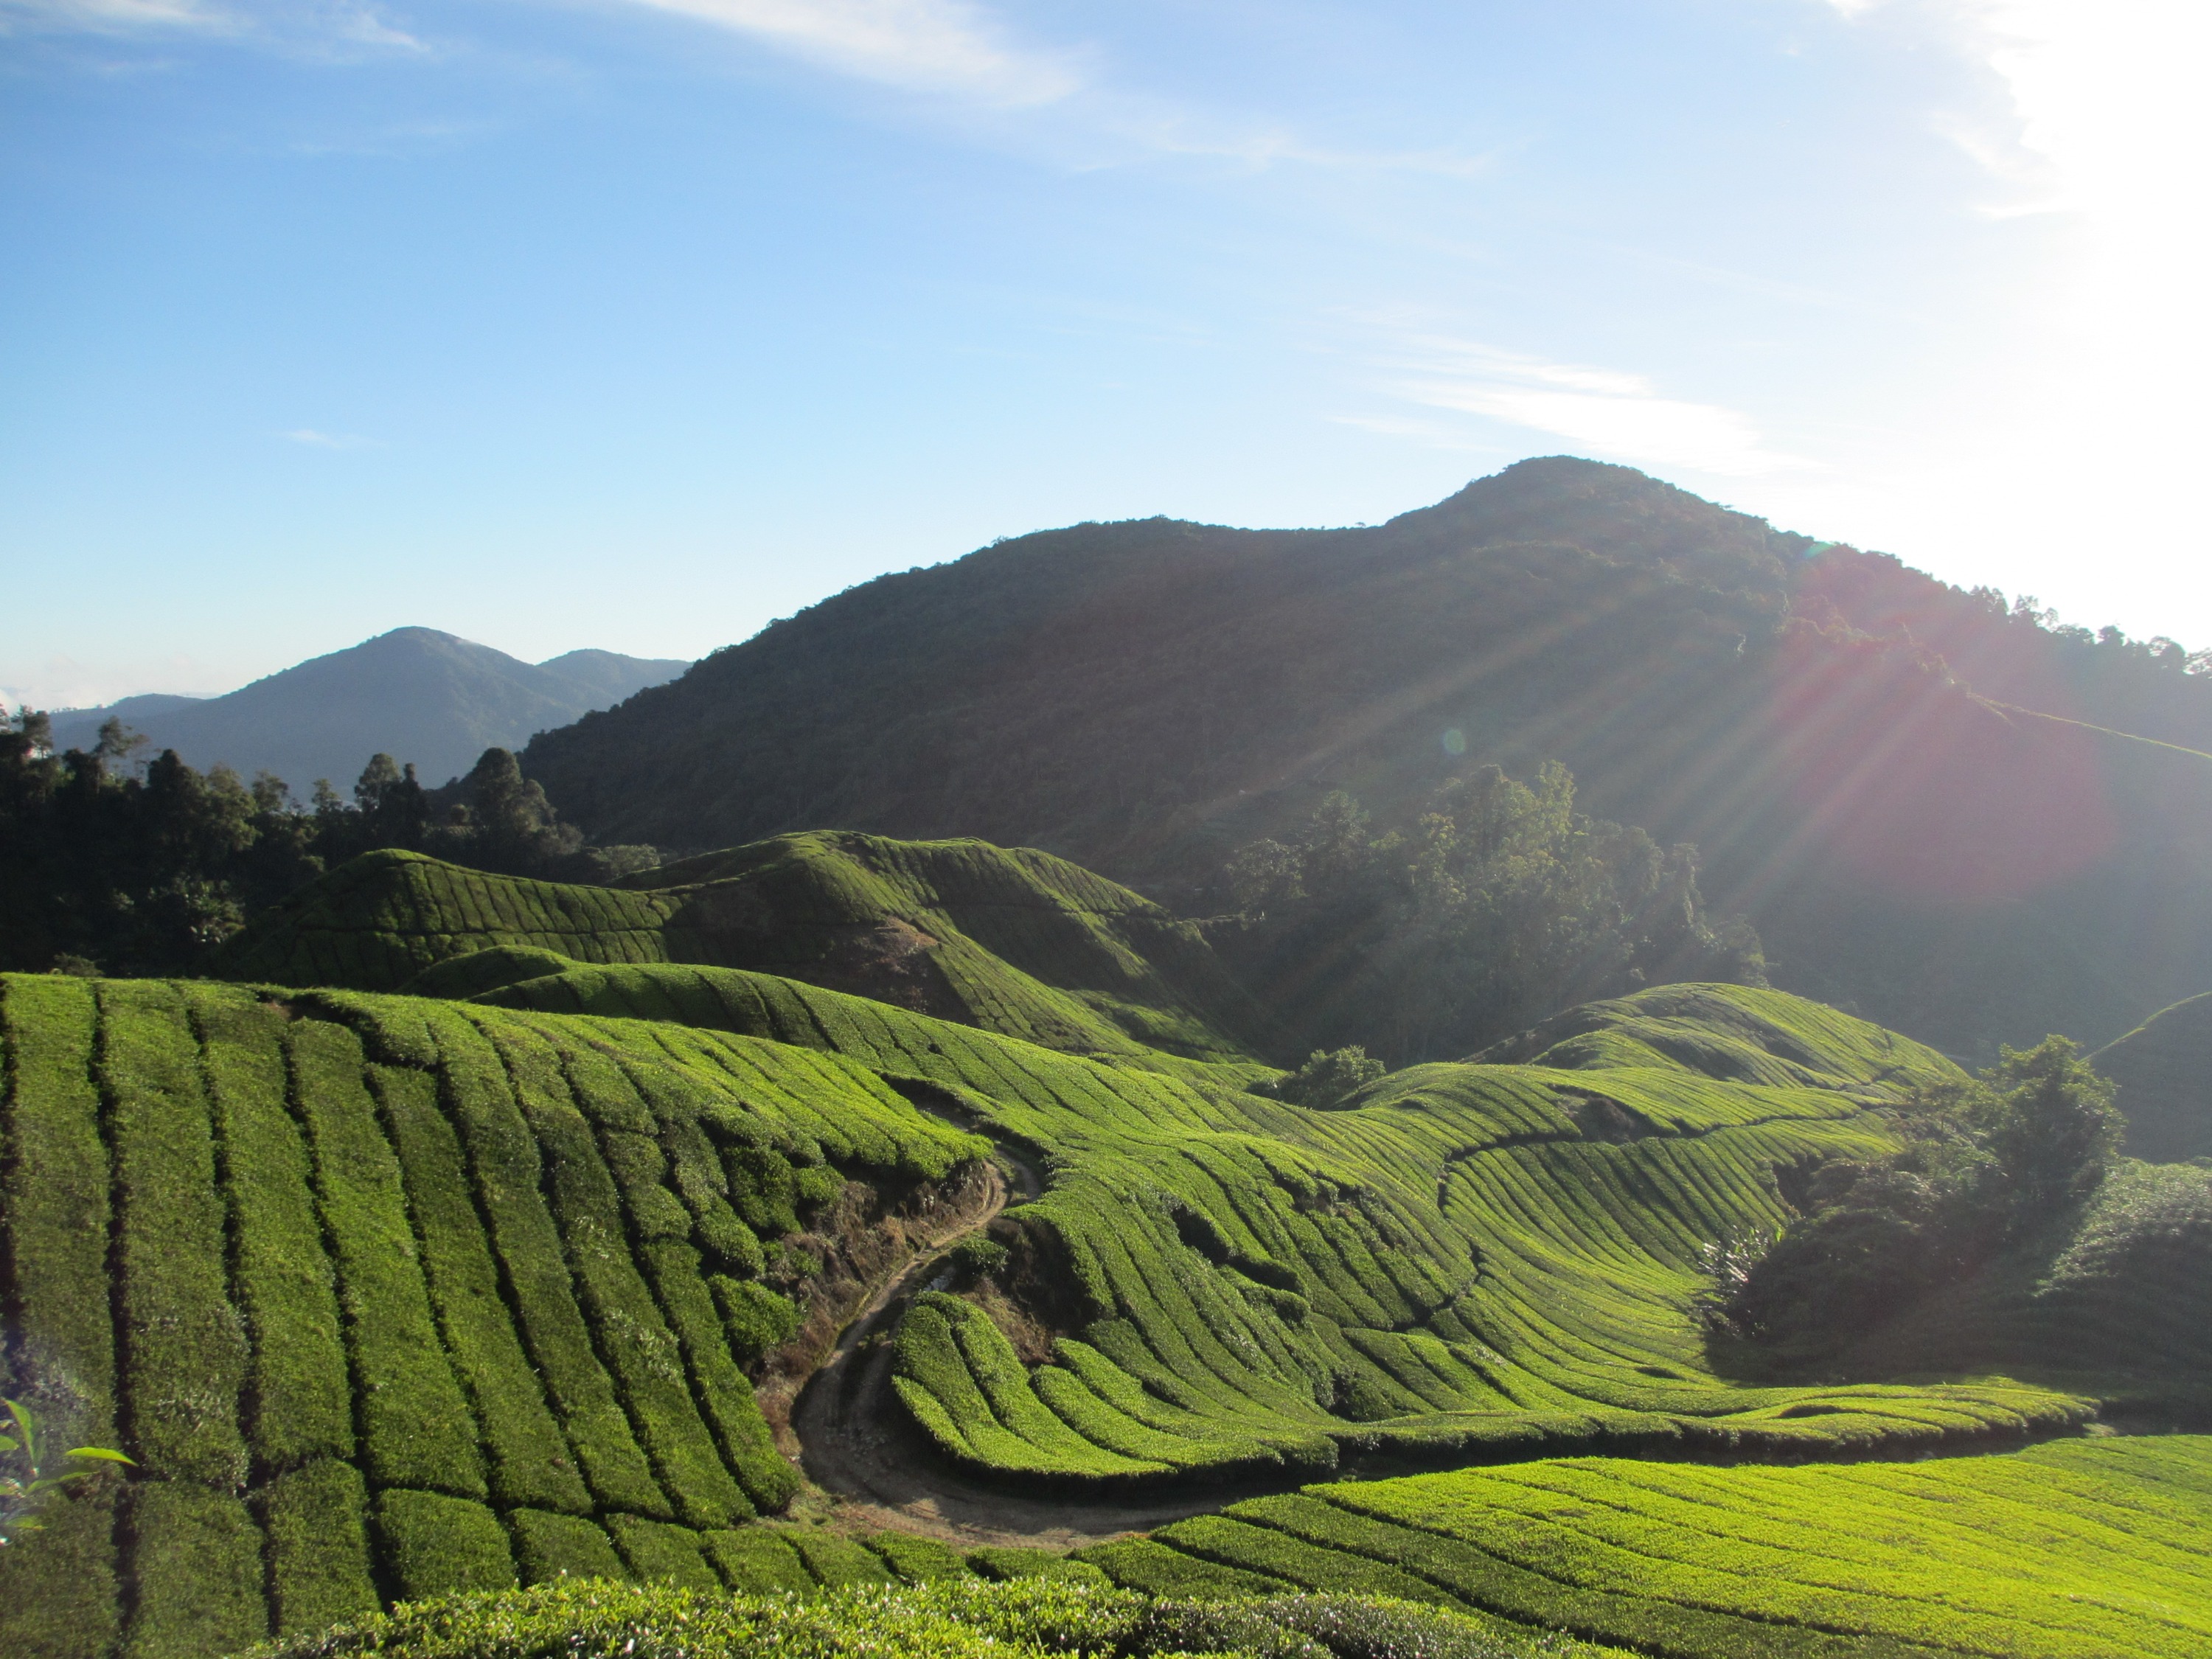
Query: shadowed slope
pixel 1846 743
pixel 2163 1068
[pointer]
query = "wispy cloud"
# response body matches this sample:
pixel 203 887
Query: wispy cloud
pixel 314 440
pixel 962 51
pixel 1603 411
pixel 2106 106
pixel 314 28
pixel 112 16
pixel 929 45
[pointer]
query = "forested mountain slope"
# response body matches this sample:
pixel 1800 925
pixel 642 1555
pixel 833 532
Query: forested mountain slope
pixel 392 1294
pixel 2163 1068
pixel 1015 941
pixel 1947 814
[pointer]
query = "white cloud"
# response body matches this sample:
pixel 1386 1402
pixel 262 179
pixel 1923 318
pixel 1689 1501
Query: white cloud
pixel 322 29
pixel 112 16
pixel 929 45
pixel 1601 411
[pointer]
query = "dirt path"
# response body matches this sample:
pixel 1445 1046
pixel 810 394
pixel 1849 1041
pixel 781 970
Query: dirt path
pixel 857 1444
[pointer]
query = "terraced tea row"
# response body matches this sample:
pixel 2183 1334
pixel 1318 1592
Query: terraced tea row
pixel 370 1287
pixel 366 1283
pixel 2085 1549
pixel 1015 941
pixel 1470 1258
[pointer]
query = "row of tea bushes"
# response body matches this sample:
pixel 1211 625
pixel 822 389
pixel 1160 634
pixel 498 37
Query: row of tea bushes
pixel 357 1282
pixel 2081 1549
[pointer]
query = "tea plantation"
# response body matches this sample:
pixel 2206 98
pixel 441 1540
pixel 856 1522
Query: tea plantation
pixel 2085 1549
pixel 393 1295
pixel 1014 941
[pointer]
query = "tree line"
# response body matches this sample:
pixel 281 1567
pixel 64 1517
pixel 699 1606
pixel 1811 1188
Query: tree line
pixel 118 864
pixel 1498 905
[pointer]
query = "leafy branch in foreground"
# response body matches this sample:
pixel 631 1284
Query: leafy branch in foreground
pixel 24 1484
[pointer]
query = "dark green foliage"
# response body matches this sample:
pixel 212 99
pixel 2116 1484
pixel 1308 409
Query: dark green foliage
pixel 978 1257
pixel 547 1546
pixel 961 1620
pixel 185 1344
pixel 152 873
pixel 2150 1225
pixel 755 1317
pixel 302 1406
pixel 58 1590
pixel 1997 1164
pixel 434 1545
pixel 196 1567
pixel 1499 905
pixel 658 1553
pixel 757 1561
pixel 836 1560
pixel 1006 1563
pixel 56 1202
pixel 417 1427
pixel 531 1462
pixel 1140 1563
pixel 1328 1077
pixel 318 1546
pixel 915 1559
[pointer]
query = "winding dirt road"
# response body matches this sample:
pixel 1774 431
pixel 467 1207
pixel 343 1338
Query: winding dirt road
pixel 857 1443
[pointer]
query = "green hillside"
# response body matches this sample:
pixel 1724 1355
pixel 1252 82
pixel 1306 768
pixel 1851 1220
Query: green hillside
pixel 393 1294
pixel 1014 941
pixel 2080 1550
pixel 1470 1259
pixel 1143 697
pixel 2163 1068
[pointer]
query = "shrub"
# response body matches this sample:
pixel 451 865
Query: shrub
pixel 1328 1078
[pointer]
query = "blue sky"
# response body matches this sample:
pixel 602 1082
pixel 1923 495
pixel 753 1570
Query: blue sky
pixel 637 323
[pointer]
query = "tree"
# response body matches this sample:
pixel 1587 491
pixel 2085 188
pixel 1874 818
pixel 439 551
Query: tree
pixel 2052 1127
pixel 1503 905
pixel 509 824
pixel 1999 1162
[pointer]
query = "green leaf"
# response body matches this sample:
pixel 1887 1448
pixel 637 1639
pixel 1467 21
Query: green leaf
pixel 100 1452
pixel 8 1444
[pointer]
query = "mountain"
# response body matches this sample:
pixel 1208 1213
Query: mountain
pixel 414 694
pixel 1937 809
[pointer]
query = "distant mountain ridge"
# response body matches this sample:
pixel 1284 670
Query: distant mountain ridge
pixel 417 693
pixel 1936 808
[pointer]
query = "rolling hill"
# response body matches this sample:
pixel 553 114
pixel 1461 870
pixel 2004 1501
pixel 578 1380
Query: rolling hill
pixel 416 694
pixel 1953 816
pixel 394 1294
pixel 1016 942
